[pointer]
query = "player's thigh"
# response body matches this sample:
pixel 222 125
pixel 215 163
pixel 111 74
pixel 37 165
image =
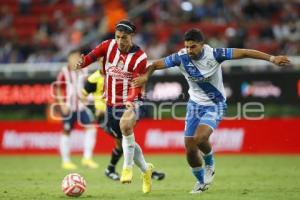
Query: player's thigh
pixel 112 125
pixel 191 124
pixel 192 120
pixel 202 133
pixel 128 119
pixel 212 115
pixel 201 120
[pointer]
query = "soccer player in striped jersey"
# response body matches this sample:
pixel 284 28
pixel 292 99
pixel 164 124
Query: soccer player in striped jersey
pixel 94 85
pixel 123 61
pixel 67 91
pixel 201 66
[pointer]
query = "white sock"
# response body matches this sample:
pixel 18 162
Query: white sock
pixel 89 142
pixel 65 147
pixel 139 159
pixel 128 144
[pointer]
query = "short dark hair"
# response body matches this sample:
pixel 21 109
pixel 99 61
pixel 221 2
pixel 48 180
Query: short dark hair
pixel 194 35
pixel 126 26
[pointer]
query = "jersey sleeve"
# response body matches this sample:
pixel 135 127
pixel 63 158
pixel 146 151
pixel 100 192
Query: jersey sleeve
pixel 97 52
pixel 172 60
pixel 222 54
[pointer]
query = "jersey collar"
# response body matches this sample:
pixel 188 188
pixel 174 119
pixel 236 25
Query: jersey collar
pixel 200 56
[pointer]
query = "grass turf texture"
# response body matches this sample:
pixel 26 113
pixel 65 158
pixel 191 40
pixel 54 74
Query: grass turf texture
pixel 237 177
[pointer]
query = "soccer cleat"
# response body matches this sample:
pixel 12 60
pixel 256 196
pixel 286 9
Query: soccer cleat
pixel 68 165
pixel 158 175
pixel 113 175
pixel 126 176
pixel 89 163
pixel 147 181
pixel 198 188
pixel 209 174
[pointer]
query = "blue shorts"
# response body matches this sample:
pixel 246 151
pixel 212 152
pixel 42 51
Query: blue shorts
pixel 83 117
pixel 201 114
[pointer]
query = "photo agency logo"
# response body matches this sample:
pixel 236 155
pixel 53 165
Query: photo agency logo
pixel 158 105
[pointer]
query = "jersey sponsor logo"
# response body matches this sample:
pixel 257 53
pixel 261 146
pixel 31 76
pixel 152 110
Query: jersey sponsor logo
pixel 118 73
pixel 199 79
pixel 120 64
pixel 211 63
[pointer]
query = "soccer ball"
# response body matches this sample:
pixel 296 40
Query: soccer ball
pixel 73 185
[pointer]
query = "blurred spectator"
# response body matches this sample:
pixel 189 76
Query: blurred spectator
pixel 6 18
pixel 114 12
pixel 266 32
pixel 45 26
pixel 24 6
pixel 236 36
pixel 271 26
pixel 156 49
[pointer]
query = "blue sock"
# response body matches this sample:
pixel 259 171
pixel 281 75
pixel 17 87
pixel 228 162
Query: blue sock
pixel 199 174
pixel 209 159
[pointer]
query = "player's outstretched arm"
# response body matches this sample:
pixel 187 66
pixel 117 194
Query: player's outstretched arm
pixel 79 63
pixel 250 53
pixel 141 80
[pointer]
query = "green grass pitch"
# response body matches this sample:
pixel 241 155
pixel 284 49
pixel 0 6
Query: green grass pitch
pixel 237 177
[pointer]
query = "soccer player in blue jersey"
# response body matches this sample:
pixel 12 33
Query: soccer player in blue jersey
pixel 201 66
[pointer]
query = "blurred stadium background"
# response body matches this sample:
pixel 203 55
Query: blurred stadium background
pixel 36 36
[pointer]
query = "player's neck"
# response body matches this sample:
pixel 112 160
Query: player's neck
pixel 126 50
pixel 200 55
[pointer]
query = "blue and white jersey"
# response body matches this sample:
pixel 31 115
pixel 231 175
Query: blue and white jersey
pixel 203 75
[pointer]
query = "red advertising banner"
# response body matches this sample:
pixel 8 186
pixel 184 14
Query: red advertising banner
pixel 24 94
pixel 280 136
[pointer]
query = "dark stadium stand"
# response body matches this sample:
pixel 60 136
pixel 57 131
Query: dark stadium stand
pixel 37 24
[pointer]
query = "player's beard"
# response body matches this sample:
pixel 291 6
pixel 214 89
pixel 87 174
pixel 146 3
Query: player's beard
pixel 193 56
pixel 124 48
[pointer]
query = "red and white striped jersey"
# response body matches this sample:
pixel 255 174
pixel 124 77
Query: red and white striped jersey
pixel 71 83
pixel 119 70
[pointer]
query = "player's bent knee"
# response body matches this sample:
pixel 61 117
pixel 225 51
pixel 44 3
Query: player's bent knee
pixel 126 131
pixel 190 144
pixel 201 139
pixel 126 127
pixel 128 115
